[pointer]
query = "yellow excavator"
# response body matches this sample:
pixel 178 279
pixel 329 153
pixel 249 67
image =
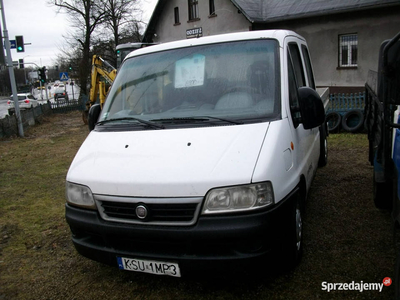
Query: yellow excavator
pixel 100 69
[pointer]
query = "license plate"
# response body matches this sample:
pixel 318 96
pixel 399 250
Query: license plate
pixel 149 266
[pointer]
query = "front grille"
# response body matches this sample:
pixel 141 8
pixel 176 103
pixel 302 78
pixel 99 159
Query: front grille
pixel 161 211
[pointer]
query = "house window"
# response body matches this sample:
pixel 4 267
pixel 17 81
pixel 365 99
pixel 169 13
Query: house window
pixel 348 50
pixel 193 10
pixel 212 7
pixel 176 15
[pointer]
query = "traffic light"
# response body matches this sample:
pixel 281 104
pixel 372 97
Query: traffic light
pixel 42 75
pixel 19 41
pixel 21 63
pixel 70 68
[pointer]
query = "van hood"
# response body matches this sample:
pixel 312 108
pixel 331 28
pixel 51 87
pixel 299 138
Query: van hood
pixel 169 162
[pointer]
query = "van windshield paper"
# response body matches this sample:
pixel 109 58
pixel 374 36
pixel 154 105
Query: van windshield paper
pixel 189 72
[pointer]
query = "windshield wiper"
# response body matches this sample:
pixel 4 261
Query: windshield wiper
pixel 196 119
pixel 223 119
pixel 151 124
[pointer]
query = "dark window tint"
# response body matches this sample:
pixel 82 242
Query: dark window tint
pixel 297 64
pixel 309 70
pixel 293 96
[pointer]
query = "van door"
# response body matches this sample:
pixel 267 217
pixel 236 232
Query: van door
pixel 306 142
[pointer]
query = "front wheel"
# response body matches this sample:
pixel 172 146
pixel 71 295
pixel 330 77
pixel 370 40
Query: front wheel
pixel 293 245
pixel 323 153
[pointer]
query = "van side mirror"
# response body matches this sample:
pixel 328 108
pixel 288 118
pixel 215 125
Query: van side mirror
pixel 94 113
pixel 311 108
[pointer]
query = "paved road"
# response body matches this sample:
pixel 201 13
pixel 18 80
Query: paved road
pixel 41 96
pixel 3 107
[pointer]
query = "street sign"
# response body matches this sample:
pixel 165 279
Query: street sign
pixel 64 76
pixel 195 32
pixel 13 44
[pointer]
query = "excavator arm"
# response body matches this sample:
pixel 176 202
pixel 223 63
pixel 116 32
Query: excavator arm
pixel 100 69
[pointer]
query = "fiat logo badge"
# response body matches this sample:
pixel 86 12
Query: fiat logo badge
pixel 141 212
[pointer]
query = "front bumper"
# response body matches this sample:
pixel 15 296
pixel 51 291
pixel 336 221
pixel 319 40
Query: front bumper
pixel 213 240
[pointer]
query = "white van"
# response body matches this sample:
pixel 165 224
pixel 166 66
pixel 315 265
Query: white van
pixel 202 156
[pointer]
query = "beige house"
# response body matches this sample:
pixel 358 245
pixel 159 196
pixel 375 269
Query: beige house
pixel 343 35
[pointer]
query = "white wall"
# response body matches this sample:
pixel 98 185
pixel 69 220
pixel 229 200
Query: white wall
pixel 227 19
pixel 322 35
pixel 372 26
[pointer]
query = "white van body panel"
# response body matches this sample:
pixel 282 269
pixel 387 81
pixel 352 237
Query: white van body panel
pixel 276 160
pixel 180 162
pixel 200 155
pixel 305 141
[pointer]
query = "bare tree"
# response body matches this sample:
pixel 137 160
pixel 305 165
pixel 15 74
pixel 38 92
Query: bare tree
pixel 131 33
pixel 85 16
pixel 122 19
pixel 119 13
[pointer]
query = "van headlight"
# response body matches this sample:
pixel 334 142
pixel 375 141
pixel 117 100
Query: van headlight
pixel 238 198
pixel 79 195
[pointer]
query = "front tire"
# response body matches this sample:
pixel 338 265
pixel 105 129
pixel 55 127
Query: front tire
pixel 323 153
pixel 293 245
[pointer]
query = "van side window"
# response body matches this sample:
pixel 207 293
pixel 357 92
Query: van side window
pixel 293 96
pixel 297 64
pixel 309 71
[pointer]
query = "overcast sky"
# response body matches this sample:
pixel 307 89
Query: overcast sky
pixel 43 28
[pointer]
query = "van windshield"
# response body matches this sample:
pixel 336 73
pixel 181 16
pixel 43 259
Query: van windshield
pixel 237 82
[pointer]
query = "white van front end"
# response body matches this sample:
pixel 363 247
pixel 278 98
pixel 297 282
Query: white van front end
pixel 195 160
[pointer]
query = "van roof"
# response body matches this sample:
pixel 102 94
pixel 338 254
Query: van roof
pixel 278 34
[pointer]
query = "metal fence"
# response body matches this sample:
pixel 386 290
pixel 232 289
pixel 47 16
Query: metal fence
pixel 343 103
pixel 9 126
pixel 29 117
pixel 63 105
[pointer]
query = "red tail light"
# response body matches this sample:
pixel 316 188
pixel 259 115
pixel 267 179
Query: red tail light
pixel 26 101
pixel 9 102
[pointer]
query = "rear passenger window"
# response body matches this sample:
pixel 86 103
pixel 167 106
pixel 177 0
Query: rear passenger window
pixel 307 61
pixel 293 96
pixel 297 64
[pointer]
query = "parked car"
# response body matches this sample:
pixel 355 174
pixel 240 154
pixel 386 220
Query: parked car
pixel 25 100
pixel 60 93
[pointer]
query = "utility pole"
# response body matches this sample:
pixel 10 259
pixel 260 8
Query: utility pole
pixel 11 72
